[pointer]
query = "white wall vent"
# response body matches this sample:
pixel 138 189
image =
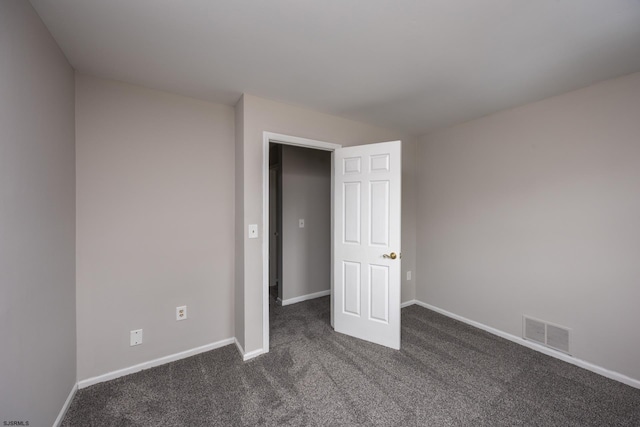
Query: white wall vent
pixel 547 334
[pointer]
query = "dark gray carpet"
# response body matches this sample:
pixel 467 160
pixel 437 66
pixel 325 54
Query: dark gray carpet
pixel 447 373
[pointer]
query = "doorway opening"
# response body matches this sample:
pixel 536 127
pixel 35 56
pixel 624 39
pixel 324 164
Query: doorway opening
pixel 298 179
pixel 300 234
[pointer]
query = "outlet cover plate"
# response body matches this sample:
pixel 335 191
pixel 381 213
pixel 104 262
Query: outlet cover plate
pixel 181 312
pixel 135 337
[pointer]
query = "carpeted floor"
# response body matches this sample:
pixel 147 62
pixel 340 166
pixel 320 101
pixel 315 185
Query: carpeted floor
pixel 447 374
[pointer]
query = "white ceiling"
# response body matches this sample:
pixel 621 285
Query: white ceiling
pixel 411 65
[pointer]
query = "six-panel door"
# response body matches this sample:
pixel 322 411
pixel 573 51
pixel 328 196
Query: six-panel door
pixel 367 190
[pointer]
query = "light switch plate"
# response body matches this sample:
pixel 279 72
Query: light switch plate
pixel 253 231
pixel 301 223
pixel 409 275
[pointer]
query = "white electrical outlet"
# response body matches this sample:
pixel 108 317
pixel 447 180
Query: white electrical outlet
pixel 301 223
pixel 181 312
pixel 408 275
pixel 135 337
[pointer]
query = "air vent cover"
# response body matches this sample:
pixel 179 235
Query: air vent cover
pixel 534 330
pixel 547 334
pixel 558 338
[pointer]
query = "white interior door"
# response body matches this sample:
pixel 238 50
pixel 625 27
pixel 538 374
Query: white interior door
pixel 366 252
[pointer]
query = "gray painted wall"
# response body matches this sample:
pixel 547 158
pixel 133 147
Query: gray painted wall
pixel 306 194
pixel 536 210
pixel 37 220
pixel 155 215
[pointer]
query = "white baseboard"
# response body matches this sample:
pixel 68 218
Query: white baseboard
pixel 66 405
pixel 153 363
pixel 251 354
pixel 306 297
pixel 240 349
pixel 537 347
pixel 408 303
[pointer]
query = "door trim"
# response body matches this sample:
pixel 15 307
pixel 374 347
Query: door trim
pixel 267 138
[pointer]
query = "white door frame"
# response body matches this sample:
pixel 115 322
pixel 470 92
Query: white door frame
pixel 267 138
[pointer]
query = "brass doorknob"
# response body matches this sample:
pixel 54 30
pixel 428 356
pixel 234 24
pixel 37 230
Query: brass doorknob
pixel 392 255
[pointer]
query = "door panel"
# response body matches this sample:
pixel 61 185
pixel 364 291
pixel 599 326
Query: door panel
pixel 351 213
pixel 379 213
pixel 379 302
pixel 367 190
pixel 352 286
